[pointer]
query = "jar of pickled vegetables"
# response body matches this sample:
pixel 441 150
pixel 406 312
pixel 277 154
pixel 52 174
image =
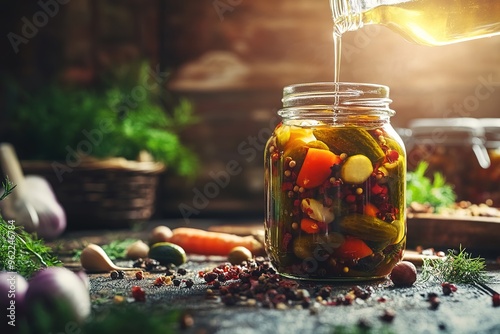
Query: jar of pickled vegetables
pixel 335 173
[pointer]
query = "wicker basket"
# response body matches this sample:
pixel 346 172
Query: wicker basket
pixel 112 193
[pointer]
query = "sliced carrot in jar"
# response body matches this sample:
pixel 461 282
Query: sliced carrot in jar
pixel 316 167
pixel 370 210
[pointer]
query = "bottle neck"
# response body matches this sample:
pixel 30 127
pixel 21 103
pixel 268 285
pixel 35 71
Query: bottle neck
pixel 348 14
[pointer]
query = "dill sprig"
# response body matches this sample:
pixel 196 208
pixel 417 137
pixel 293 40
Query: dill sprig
pixel 21 251
pixel 456 267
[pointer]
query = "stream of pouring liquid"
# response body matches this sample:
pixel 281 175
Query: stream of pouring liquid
pixel 337 46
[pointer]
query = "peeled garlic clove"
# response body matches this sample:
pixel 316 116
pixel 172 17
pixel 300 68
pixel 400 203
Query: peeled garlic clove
pixel 315 210
pixel 160 234
pixel 94 259
pixel 138 249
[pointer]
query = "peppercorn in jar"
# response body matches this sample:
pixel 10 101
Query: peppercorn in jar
pixel 335 173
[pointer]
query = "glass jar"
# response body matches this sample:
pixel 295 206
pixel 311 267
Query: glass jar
pixel 335 172
pixel 453 147
pixel 487 180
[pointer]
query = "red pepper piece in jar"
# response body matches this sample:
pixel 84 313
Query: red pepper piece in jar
pixel 316 167
pixel 311 226
pixel 353 248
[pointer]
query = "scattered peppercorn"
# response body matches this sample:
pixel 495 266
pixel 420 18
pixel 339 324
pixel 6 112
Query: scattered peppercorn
pixel 139 275
pixel 182 271
pixel 176 282
pixel 388 315
pixel 121 274
pixel 434 301
pixel 448 288
pixel 138 294
pixel 258 281
pixel 210 277
pixel 148 264
pixel 113 275
pixel 364 324
pixel 189 283
pixel 496 300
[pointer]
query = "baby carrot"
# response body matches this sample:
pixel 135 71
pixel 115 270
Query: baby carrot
pixel 203 242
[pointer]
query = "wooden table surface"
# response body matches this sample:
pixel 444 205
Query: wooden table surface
pixel 468 310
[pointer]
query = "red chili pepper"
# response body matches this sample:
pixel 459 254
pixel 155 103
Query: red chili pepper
pixel 311 226
pixel 138 293
pixel 353 248
pixel 496 300
pixel 392 155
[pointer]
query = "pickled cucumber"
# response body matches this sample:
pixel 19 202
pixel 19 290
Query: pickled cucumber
pixel 351 141
pixel 356 169
pixel 369 228
pixel 306 246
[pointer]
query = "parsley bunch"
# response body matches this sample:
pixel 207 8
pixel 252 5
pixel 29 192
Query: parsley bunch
pixel 423 190
pixel 20 251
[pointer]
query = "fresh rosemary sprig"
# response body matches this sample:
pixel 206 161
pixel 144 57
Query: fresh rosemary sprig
pixel 20 251
pixel 456 267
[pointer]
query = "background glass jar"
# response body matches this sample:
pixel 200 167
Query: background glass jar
pixel 335 173
pixel 487 180
pixel 454 147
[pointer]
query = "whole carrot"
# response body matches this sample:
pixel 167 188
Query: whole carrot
pixel 203 242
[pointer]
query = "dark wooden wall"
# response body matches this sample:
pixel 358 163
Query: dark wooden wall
pixel 231 58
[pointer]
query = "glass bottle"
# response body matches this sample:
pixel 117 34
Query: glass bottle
pixel 427 22
pixel 335 172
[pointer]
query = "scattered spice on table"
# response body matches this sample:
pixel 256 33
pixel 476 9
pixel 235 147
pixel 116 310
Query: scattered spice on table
pixel 255 282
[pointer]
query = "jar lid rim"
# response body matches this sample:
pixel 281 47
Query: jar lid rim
pixel 336 95
pixel 460 124
pixel 350 88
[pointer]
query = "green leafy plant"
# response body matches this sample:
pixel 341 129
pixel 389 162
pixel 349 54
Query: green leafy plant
pixel 116 249
pixel 456 267
pixel 421 189
pixel 20 251
pixel 120 119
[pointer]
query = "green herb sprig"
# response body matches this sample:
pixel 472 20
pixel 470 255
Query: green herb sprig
pixel 421 189
pixel 456 267
pixel 21 251
pixel 116 249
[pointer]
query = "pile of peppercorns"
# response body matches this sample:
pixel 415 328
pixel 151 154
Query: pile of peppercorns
pixel 256 283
